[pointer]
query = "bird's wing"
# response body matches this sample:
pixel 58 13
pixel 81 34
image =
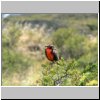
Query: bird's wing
pixel 55 53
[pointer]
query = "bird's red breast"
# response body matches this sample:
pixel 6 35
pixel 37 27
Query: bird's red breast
pixel 49 54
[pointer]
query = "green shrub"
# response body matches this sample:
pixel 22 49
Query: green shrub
pixel 68 73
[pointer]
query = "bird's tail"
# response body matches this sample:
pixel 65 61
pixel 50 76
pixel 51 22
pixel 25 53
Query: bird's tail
pixel 59 57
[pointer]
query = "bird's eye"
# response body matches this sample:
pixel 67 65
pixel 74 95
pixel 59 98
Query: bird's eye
pixel 53 47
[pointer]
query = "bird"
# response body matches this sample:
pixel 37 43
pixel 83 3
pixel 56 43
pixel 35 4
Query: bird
pixel 51 53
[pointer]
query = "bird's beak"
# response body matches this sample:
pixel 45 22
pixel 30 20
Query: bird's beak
pixel 46 46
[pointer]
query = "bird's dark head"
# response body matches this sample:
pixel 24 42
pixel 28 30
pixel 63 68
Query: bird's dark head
pixel 50 46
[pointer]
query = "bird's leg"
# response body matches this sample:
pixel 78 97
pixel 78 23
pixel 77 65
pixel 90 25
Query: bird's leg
pixel 52 63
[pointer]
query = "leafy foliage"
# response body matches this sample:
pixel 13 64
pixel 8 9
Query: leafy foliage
pixel 67 73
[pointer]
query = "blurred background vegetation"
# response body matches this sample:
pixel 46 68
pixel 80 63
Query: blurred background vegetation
pixel 24 37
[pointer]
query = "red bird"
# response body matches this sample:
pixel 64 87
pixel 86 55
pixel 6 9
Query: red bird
pixel 50 53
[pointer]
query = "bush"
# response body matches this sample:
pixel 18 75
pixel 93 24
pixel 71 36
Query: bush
pixel 68 73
